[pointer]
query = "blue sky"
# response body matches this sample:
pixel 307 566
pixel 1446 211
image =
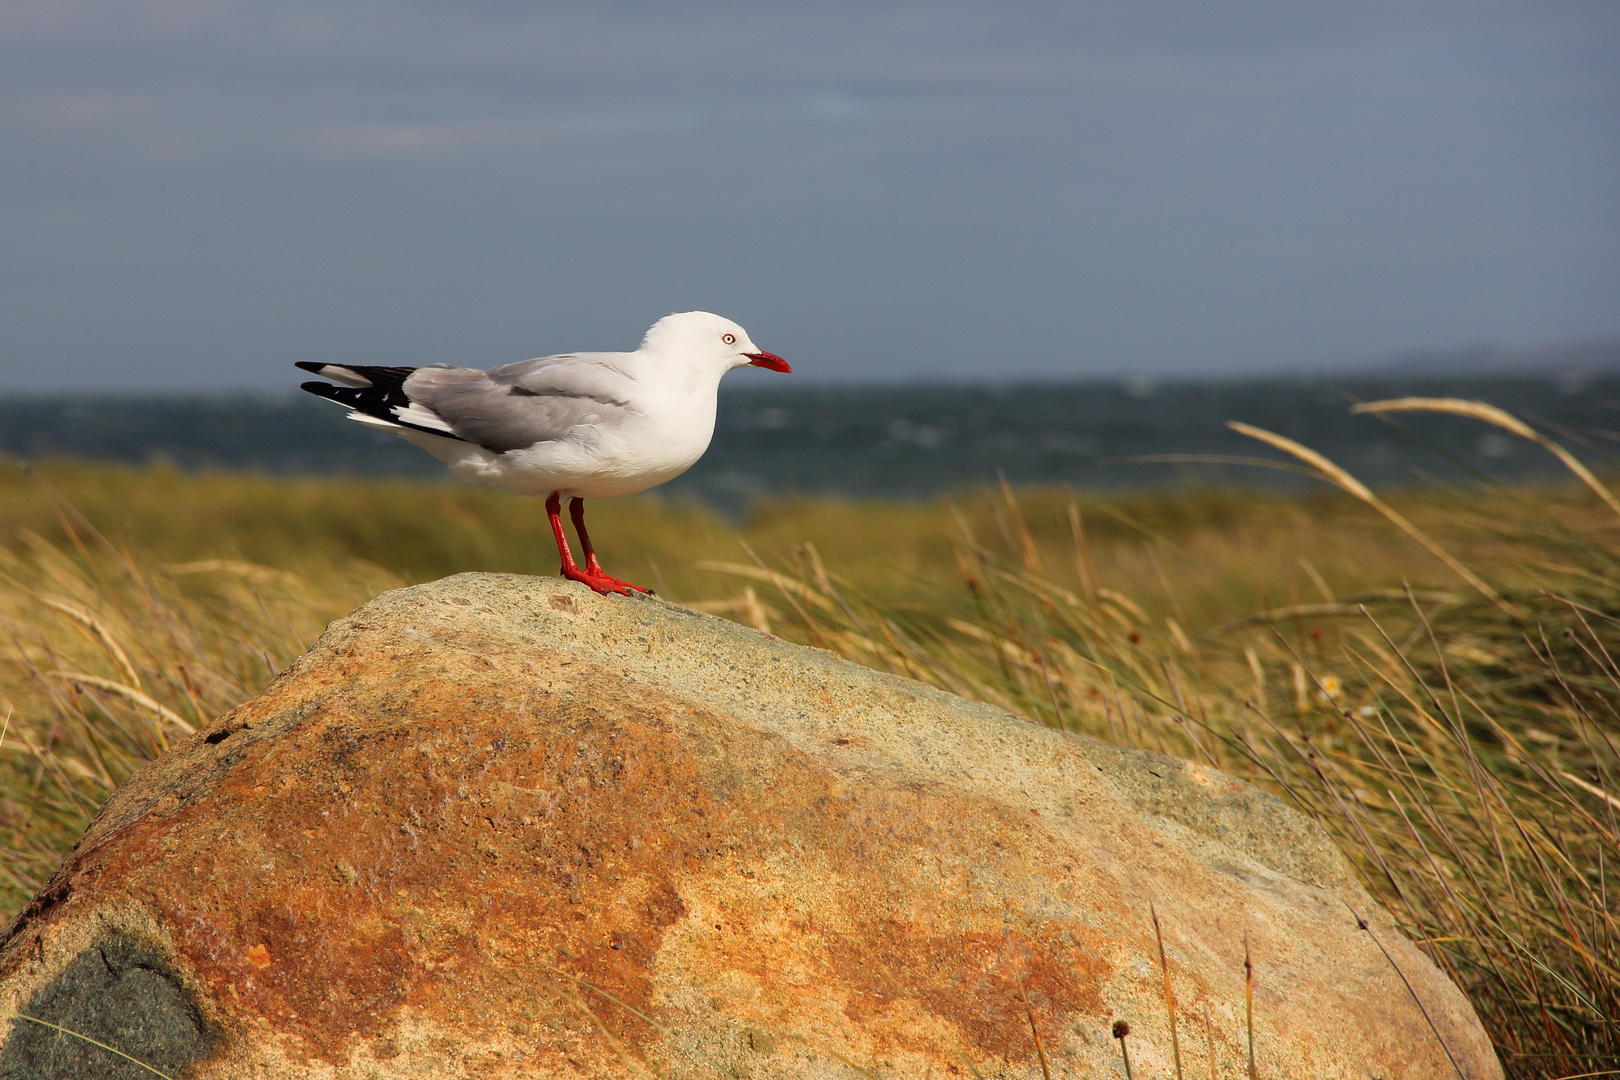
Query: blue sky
pixel 196 193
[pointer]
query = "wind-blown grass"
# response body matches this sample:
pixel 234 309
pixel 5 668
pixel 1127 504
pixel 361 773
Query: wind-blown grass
pixel 1440 691
pixel 1456 738
pixel 106 659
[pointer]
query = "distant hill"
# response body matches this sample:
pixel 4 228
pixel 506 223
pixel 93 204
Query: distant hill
pixel 1568 358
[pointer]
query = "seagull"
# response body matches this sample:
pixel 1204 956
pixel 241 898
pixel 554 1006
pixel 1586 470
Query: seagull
pixel 576 425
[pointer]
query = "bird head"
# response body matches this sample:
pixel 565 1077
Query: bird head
pixel 698 336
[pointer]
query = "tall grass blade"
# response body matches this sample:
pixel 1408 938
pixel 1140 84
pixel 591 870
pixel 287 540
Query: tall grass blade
pixel 85 1038
pixel 1490 414
pixel 1350 484
pixel 1169 995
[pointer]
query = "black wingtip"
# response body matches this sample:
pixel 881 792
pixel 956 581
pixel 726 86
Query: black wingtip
pixel 309 365
pixel 326 390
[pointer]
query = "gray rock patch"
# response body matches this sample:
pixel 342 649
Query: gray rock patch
pixel 121 992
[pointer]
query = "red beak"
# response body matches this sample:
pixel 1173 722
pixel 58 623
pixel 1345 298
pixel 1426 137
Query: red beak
pixel 768 360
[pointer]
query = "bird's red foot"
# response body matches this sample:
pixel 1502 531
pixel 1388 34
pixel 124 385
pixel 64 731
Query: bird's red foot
pixel 603 583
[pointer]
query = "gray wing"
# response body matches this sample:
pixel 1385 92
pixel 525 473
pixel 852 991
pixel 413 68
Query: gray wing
pixel 533 401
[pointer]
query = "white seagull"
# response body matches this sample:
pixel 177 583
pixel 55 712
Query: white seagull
pixel 580 425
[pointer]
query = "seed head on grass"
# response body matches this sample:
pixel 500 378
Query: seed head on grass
pixel 1121 1030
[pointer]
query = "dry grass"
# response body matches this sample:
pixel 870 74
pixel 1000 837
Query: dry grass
pixel 107 658
pixel 1454 732
pixel 1456 740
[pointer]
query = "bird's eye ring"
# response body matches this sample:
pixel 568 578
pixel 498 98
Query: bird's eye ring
pixel 729 339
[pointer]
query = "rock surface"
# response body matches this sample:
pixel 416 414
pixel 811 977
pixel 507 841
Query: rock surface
pixel 499 826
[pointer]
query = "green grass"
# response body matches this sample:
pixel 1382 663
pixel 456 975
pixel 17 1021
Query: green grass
pixel 1455 736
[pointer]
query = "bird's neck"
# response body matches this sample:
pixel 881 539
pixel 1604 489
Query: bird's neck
pixel 687 381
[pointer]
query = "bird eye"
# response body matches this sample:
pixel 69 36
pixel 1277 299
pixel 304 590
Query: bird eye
pixel 729 339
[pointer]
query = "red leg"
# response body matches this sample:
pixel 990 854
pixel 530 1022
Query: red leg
pixel 592 575
pixel 576 510
pixel 554 511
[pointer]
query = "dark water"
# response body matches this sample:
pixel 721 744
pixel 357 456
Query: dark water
pixel 910 440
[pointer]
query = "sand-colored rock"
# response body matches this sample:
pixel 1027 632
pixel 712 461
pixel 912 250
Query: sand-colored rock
pixel 503 827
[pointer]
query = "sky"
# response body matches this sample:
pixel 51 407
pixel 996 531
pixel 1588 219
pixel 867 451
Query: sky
pixel 196 193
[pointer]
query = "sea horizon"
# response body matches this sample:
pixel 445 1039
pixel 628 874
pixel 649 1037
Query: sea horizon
pixel 919 437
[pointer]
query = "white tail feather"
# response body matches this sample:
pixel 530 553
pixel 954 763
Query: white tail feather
pixel 375 421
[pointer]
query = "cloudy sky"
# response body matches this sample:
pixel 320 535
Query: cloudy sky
pixel 195 193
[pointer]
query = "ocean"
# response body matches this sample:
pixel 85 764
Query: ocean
pixel 917 440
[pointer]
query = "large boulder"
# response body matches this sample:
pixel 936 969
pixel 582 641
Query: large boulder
pixel 499 826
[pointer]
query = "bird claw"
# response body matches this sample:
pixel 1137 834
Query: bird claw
pixel 603 583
